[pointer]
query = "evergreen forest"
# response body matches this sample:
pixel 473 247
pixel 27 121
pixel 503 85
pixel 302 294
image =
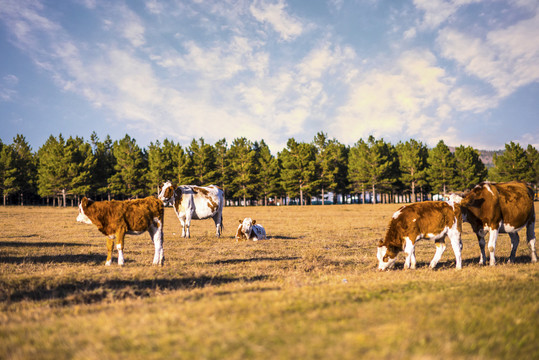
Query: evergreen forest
pixel 323 171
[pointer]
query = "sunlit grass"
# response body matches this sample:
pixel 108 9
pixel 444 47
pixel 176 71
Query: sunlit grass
pixel 310 291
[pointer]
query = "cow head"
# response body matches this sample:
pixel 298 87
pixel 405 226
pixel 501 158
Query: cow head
pixel 453 198
pixel 387 256
pixel 247 226
pixel 167 192
pixel 82 216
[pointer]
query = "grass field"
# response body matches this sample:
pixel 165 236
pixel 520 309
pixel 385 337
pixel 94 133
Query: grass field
pixel 311 291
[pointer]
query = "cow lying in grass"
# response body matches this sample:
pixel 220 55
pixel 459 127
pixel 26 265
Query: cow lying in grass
pixel 250 230
pixel 431 220
pixel 117 218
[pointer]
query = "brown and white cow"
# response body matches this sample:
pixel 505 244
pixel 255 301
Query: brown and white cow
pixel 117 218
pixel 192 202
pixel 250 230
pixel 500 208
pixel 431 220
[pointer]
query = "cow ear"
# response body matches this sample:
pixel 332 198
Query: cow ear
pixel 241 222
pixel 84 202
pixel 254 222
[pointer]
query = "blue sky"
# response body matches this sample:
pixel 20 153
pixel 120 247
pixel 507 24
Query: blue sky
pixel 465 71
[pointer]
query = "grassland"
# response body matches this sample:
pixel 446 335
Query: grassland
pixel 311 291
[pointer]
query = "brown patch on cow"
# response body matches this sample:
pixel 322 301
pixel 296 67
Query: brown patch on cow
pixel 212 205
pixel 198 189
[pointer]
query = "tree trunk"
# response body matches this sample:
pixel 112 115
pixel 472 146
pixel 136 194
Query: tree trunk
pixel 373 194
pixel 301 195
pixel 64 197
pixel 322 196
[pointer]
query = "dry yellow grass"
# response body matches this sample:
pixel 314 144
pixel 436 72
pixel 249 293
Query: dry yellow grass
pixel 310 291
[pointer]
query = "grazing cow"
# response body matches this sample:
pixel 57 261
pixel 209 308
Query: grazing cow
pixel 500 208
pixel 117 218
pixel 425 220
pixel 192 202
pixel 250 230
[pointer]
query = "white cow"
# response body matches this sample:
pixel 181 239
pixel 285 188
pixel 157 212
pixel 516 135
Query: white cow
pixel 193 202
pixel 249 229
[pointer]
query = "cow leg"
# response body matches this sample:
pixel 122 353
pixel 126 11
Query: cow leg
pixel 120 234
pixel 514 246
pixel 110 245
pixel 456 243
pixel 409 250
pixel 182 221
pixel 186 231
pixel 440 248
pixel 156 233
pixel 530 237
pixel 217 219
pixel 482 255
pixel 493 237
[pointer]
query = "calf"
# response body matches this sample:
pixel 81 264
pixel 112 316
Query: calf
pixel 500 208
pixel 425 220
pixel 192 202
pixel 250 230
pixel 117 218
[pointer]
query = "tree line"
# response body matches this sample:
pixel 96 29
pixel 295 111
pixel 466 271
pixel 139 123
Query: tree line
pixel 371 170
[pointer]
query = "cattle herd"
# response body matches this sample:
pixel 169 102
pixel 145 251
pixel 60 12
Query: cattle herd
pixel 489 208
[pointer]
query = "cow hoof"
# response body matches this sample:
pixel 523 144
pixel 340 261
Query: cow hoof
pixel 108 263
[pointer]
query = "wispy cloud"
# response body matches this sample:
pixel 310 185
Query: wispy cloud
pixel 274 14
pixel 506 58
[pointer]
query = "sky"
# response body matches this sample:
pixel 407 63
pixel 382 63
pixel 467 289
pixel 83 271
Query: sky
pixel 462 71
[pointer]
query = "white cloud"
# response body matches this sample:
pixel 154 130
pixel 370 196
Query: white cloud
pixel 437 12
pixel 506 59
pixel 275 14
pixel 7 84
pixel 403 100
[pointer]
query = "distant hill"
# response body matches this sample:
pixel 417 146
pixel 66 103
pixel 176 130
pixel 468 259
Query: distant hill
pixel 486 156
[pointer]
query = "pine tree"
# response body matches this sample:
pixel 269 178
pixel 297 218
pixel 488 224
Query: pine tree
pixel 26 165
pixel 53 179
pixel 104 168
pixel 469 169
pixel 186 173
pixel 358 171
pixel 81 166
pixel 532 156
pixel 298 168
pixel 128 179
pixel 7 172
pixel 203 162
pixel 372 164
pixel 222 164
pixel 329 157
pixel 441 170
pixel 269 173
pixel 512 165
pixel 243 166
pixel 412 164
pixel 155 166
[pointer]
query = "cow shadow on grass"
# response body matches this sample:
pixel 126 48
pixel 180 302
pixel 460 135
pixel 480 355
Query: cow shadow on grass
pixel 239 261
pixel 56 259
pixel 90 291
pixel 18 244
pixel 500 260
